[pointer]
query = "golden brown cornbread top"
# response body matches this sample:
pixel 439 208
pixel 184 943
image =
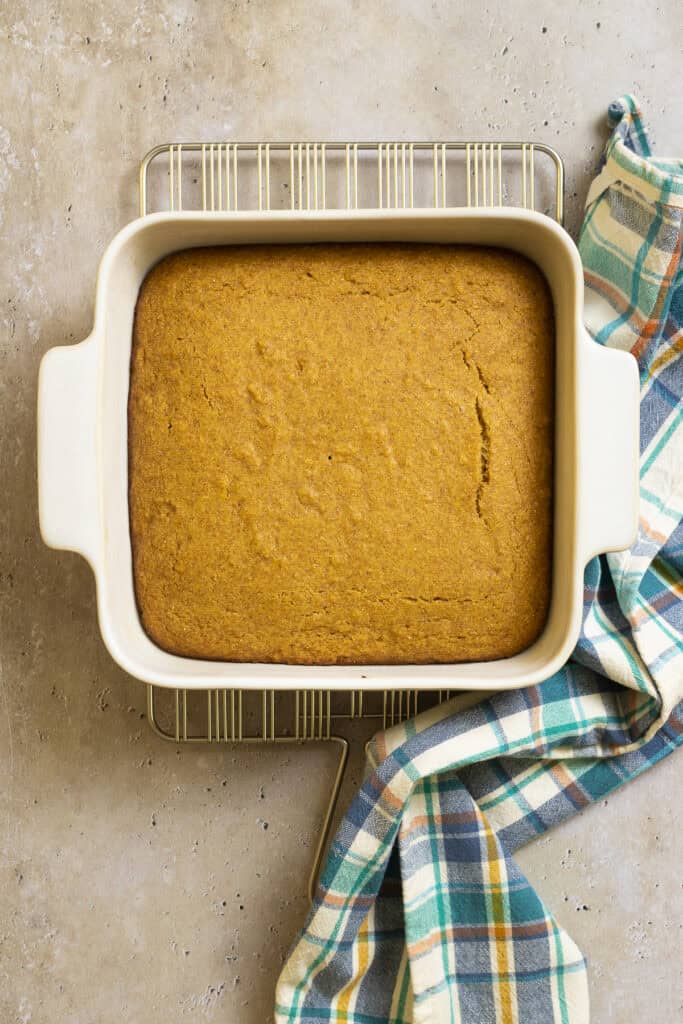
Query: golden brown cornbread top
pixel 342 453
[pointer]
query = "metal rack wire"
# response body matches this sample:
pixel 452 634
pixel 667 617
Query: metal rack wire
pixel 352 175
pixel 262 176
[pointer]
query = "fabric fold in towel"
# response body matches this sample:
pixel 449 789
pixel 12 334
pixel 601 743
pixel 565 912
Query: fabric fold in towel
pixel 422 915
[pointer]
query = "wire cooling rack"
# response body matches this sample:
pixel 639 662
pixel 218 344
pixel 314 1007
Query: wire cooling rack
pixel 263 176
pixel 351 175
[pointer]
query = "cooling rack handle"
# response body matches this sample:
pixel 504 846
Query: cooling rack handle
pixel 67 455
pixel 609 421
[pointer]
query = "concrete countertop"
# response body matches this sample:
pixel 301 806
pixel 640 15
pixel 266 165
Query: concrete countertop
pixel 141 881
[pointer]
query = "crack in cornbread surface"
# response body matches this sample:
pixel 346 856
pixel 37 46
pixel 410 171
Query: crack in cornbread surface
pixel 342 453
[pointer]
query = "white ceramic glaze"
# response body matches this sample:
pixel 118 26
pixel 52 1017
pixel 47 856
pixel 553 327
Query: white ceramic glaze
pixel 83 462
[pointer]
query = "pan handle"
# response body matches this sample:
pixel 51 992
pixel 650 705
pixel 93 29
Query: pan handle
pixel 608 457
pixel 70 514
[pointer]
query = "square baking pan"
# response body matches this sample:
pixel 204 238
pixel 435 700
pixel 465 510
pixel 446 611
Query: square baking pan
pixel 83 442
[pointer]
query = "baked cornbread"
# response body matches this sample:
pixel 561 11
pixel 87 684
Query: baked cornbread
pixel 342 453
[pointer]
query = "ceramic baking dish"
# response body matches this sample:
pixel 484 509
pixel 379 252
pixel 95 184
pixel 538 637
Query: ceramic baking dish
pixel 83 457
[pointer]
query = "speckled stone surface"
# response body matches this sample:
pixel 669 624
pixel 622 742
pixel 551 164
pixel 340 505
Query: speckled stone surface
pixel 142 882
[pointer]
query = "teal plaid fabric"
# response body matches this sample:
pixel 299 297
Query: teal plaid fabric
pixel 422 914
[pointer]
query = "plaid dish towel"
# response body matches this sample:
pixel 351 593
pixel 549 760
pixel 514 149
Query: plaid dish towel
pixel 422 915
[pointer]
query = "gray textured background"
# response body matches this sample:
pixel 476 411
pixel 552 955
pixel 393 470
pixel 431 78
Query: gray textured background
pixel 137 880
